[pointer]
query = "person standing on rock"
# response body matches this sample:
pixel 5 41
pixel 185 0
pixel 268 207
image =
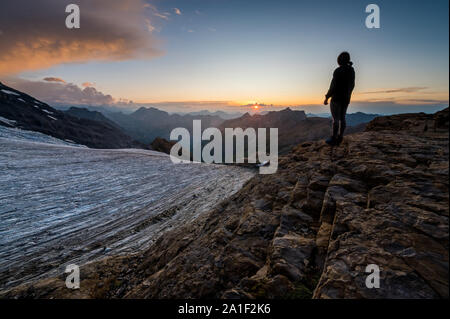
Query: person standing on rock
pixel 340 92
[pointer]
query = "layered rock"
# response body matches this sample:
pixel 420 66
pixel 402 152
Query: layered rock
pixel 310 230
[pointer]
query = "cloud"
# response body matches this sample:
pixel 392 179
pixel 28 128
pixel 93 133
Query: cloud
pixel 68 94
pixel 177 11
pixel 59 93
pixel 259 104
pixel 164 16
pixel 156 12
pixel 427 101
pixel 412 89
pixel 34 35
pixel 403 100
pixel 56 92
pixel 149 25
pixel 53 79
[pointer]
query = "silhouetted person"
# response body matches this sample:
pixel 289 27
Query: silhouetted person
pixel 340 91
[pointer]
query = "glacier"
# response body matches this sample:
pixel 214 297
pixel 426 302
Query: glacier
pixel 63 203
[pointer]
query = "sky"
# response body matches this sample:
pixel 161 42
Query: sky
pixel 188 55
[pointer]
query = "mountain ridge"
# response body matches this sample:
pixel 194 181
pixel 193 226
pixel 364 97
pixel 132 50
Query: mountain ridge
pixel 146 124
pixel 85 113
pixel 31 114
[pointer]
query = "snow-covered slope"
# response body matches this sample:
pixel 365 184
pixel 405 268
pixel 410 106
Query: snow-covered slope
pixel 12 133
pixel 62 203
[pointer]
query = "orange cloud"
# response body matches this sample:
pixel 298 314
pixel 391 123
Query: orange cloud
pixel 37 38
pixel 53 79
pixel 412 89
pixel 87 84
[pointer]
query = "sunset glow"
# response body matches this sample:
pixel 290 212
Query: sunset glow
pixel 197 57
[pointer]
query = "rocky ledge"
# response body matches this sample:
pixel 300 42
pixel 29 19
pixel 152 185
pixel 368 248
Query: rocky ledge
pixel 308 231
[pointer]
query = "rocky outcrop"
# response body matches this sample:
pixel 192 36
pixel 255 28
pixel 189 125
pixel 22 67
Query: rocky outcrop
pixel 308 231
pixel 411 123
pixel 162 145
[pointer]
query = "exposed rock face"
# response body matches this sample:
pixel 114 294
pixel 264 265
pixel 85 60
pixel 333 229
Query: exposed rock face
pixel 411 123
pixel 309 230
pixel 162 145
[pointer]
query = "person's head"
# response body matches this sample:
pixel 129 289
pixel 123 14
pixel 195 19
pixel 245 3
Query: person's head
pixel 344 59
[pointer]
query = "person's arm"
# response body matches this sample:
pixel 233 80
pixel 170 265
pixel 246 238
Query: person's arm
pixel 351 85
pixel 331 89
pixel 352 81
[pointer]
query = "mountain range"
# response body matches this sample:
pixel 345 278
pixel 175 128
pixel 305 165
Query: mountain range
pixel 352 119
pixel 293 126
pixel 103 129
pixel 146 124
pixel 221 114
pixel 85 113
pixel 25 112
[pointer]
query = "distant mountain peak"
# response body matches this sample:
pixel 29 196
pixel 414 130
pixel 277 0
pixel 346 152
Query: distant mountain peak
pixel 149 110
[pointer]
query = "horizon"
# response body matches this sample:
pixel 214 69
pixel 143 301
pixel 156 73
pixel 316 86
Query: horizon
pixel 183 56
pixel 323 111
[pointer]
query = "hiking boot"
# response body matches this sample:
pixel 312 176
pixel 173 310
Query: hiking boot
pixel 339 140
pixel 331 141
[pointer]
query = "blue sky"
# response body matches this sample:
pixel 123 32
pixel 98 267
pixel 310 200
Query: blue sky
pixel 276 52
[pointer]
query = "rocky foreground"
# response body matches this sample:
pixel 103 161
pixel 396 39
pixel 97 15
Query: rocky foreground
pixel 308 231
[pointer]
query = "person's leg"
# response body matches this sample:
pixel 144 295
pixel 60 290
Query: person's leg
pixel 335 114
pixel 342 122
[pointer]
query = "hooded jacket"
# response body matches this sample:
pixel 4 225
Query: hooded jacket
pixel 342 84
